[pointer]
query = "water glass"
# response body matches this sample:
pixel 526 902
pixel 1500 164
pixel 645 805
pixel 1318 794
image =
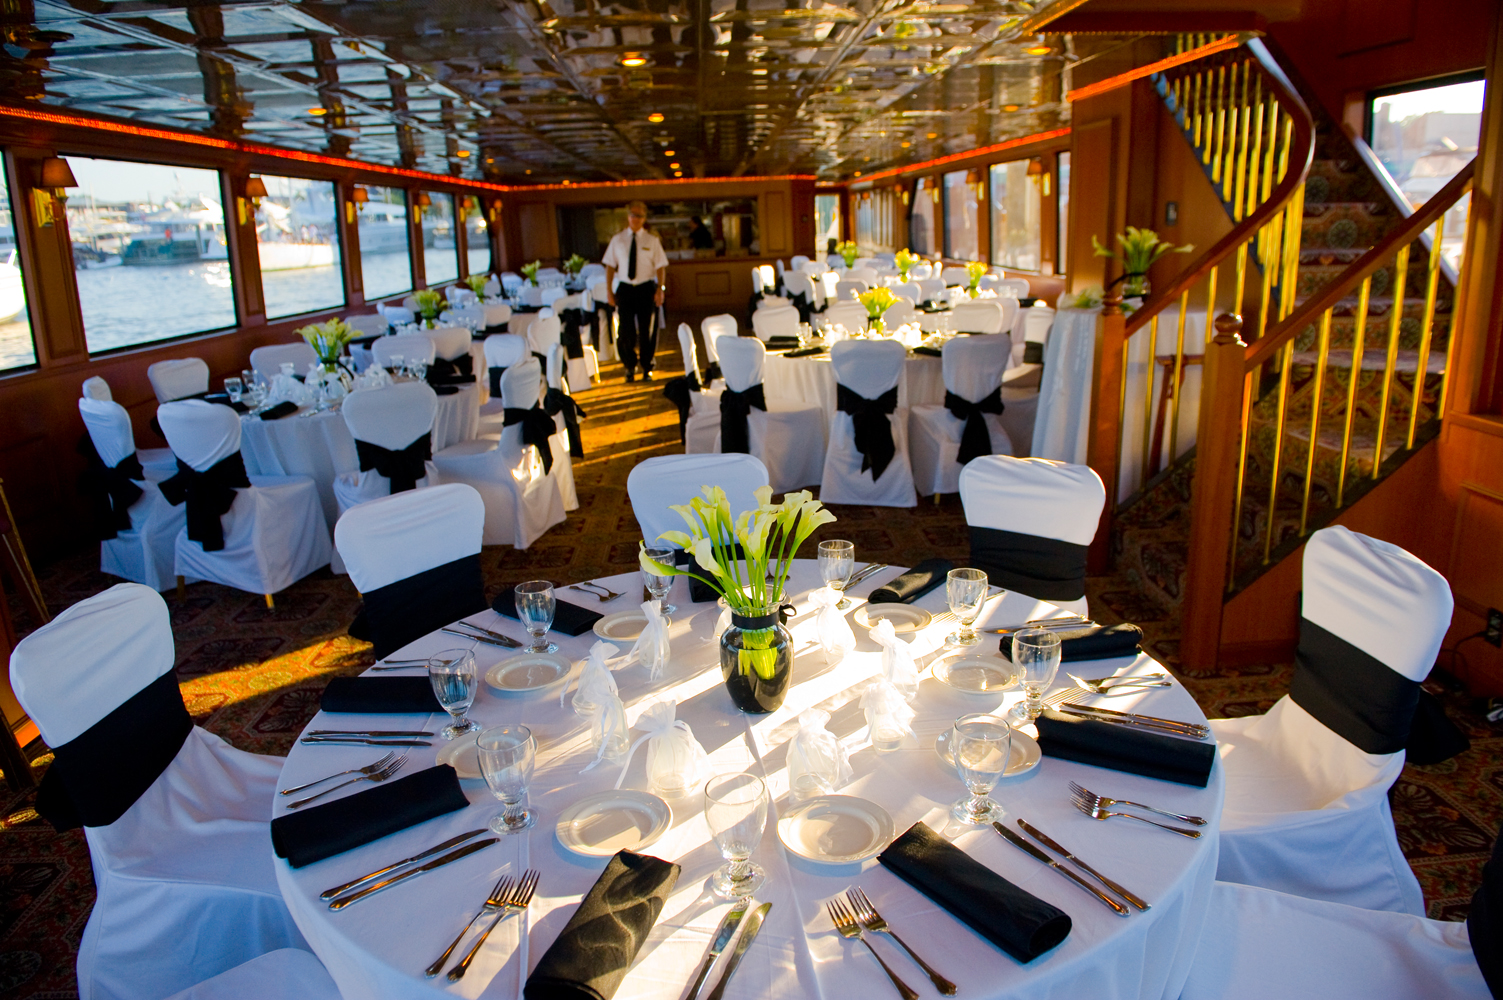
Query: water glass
pixel 1036 654
pixel 452 674
pixel 965 589
pixel 234 388
pixel 982 745
pixel 736 811
pixel 507 757
pixel 396 363
pixel 658 586
pixel 836 560
pixel 418 369
pixel 535 607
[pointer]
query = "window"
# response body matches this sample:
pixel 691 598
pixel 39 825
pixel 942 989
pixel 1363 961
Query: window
pixel 1016 205
pixel 1424 136
pixel 865 220
pixel 149 252
pixel 440 249
pixel 384 263
pixel 477 239
pixel 961 238
pixel 1062 181
pixel 298 243
pixel 921 228
pixel 826 221
pixel 17 349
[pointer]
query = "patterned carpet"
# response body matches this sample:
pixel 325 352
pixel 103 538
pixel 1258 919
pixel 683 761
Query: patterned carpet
pixel 254 676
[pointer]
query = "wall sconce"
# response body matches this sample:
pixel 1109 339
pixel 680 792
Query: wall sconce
pixel 1040 176
pixel 465 204
pixel 495 212
pixel 255 190
pixel 422 201
pixel 358 197
pixel 56 178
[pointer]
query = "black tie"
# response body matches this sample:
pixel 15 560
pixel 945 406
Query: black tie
pixel 631 260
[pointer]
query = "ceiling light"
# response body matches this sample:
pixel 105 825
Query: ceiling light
pixel 678 173
pixel 906 144
pixel 462 153
pixel 1009 107
pixel 858 173
pixel 529 170
pixel 631 60
pixel 1038 48
pixel 673 166
pixel 934 135
pixel 669 152
pixel 655 117
pixel 318 111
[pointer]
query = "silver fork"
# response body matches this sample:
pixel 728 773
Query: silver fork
pixel 1097 811
pixel 872 921
pixel 367 769
pixel 376 776
pixel 610 595
pixel 1102 800
pixel 846 924
pixel 519 899
pixel 495 901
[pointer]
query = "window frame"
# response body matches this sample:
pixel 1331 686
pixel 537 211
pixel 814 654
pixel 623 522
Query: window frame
pixel 339 234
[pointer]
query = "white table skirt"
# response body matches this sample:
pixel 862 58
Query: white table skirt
pixel 1062 429
pixel 811 381
pixel 378 947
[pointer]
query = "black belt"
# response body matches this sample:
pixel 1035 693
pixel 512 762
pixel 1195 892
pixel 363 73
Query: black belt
pixel 209 494
pixel 735 412
pixel 1044 568
pixel 403 466
pixel 537 428
pixel 407 609
pixel 110 489
pixel 871 419
pixel 556 401
pixel 976 438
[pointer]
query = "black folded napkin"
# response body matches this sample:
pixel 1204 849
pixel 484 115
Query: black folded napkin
pixel 1028 301
pixel 1093 642
pixel 912 585
pixel 1016 921
pixel 223 399
pixel 1123 748
pixel 932 352
pixel 314 833
pixel 285 408
pixel 781 343
pixel 445 390
pixel 806 352
pixel 570 619
pixel 596 948
pixel 413 695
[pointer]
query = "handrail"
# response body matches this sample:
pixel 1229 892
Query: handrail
pixel 1337 289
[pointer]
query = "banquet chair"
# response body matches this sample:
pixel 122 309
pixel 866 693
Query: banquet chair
pixel 451 353
pixel 921 271
pixel 1031 521
pixel 397 315
pixel 702 415
pixel 521 494
pixel 813 268
pixel 511 282
pixel 910 289
pixel 502 350
pixel 410 302
pixel 797 262
pixel 583 363
pixel 900 313
pixel 177 820
pixel 775 322
pixel 930 289
pixel 801 293
pixel 459 295
pixel 284 974
pixel 864 273
pixel 565 442
pixel 1307 784
pixel 1018 287
pixel 138 527
pixel 942 439
pixel 990 283
pixel 711 329
pixel 982 316
pixel 409 347
pixel 471 311
pixel 268 360
pixel 847 289
pixel 95 387
pixel 160 459
pixel 521 323
pixel 1030 335
pixel 531 295
pixel 788 438
pixel 415 558
pixel 368 324
pixel 656 483
pixel 835 261
pixel 178 378
pixel 259 534
pixel 393 430
pixel 544 332
pixel 591 273
pixel 496 316
pixel 552 293
pixel 851 315
pixel 953 276
pixel 866 461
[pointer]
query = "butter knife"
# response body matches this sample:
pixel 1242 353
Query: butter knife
pixel 468 849
pixel 1034 852
pixel 360 741
pixel 723 936
pixel 753 925
pixel 1054 846
pixel 430 852
pixel 863 574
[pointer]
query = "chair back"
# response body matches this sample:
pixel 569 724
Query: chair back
pixel 1032 328
pixel 511 281
pixel 813 268
pixel 502 350
pixel 532 295
pixel 741 361
pixel 686 347
pixel 201 434
pixel 96 388
pixel 851 315
pixel 1018 287
pixel 411 346
pixel 901 313
pixel 522 385
pixel 868 367
pixel 797 262
pixel 368 324
pixel 472 311
pixel 396 537
pixel 973 366
pixel 780 321
pixel 552 294
pixel 268 360
pixel 544 332
pixel 109 428
pixel 449 342
pixel 847 289
pixel 656 483
pixel 495 313
pixel 954 276
pixel 930 289
pixel 799 283
pixel 591 273
pixel 392 416
pixel 909 288
pixel 521 322
pixel 991 282
pixel 410 302
pixel 549 272
pixel 979 316
pixel 556 361
pixel 921 271
pixel 398 315
pixel 1032 496
pixel 598 290
pixel 865 273
pixel 712 328
pixel 887 259
pixel 458 295
pixel 178 377
pixel 493 285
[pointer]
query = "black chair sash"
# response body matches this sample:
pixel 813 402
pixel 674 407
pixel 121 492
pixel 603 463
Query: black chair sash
pixel 1352 693
pixel 1484 921
pixel 593 318
pixel 100 773
pixel 976 438
pixel 210 494
pixel 735 412
pixel 496 373
pixel 804 306
pixel 403 466
pixel 1044 568
pixel 537 428
pixel 498 328
pixel 872 422
pixel 556 401
pixel 410 608
pixel 443 369
pixel 679 391
pixel 110 490
pixel 572 319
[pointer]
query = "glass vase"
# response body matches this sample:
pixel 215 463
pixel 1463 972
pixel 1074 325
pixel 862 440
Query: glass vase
pixel 1135 285
pixel 876 326
pixel 756 660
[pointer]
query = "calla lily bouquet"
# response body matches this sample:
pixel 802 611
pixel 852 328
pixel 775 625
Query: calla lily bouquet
pixel 327 339
pixel 1139 249
pixel 877 301
pixel 974 272
pixel 574 265
pixel 848 252
pixel 429 303
pixel 904 261
pixel 530 271
pixel 477 283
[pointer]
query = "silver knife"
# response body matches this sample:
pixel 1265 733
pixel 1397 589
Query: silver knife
pixel 1034 852
pixel 489 632
pixel 1111 715
pixel 372 733
pixel 723 936
pixel 509 643
pixel 357 741
pixel 452 842
pixel 468 849
pixel 863 574
pixel 1054 846
pixel 753 925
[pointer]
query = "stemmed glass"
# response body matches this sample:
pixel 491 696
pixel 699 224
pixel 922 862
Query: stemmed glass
pixel 658 586
pixel 395 363
pixel 234 388
pixel 982 745
pixel 1036 654
pixel 836 560
pixel 507 756
pixel 418 368
pixel 535 607
pixel 736 810
pixel 452 674
pixel 965 589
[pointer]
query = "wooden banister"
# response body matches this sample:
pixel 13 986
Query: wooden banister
pixel 1102 453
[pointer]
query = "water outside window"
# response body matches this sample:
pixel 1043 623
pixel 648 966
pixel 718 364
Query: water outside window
pixel 1424 137
pixel 1016 204
pixel 1062 185
pixel 298 244
pixel 149 252
pixel 826 221
pixel 478 239
pixel 440 248
pixel 921 228
pixel 962 241
pixel 384 263
pixel 16 346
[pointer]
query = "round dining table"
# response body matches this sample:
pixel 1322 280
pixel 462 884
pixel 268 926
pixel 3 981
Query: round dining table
pixel 378 947
pixel 811 380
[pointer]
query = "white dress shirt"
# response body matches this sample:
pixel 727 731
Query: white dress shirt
pixel 650 256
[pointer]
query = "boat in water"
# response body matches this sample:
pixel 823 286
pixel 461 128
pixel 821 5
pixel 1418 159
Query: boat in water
pixel 179 236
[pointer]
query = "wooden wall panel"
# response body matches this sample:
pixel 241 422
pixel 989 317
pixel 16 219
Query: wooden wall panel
pixel 776 225
pixel 1092 205
pixel 539 231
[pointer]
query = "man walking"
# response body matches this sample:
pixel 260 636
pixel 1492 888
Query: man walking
pixel 635 274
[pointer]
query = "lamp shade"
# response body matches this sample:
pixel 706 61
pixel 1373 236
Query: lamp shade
pixel 360 196
pixel 423 200
pixel 57 174
pixel 255 187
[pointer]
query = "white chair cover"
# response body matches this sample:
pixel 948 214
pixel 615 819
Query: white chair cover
pixel 921 271
pixel 393 417
pixel 151 459
pixel 410 302
pixel 990 282
pixel 711 329
pixel 797 261
pixel 954 276
pixel 274 534
pixel 471 310
pixel 496 313
pixel 449 342
pixel 532 295
pixel 563 462
pixel 851 315
pixel 863 273
pixel 268 360
pixel 146 553
pixel 1307 811
pixel 704 404
pixel 96 388
pixel 980 316
pixel 511 281
pixel 543 334
pixel 972 369
pixel 847 289
pixel 1031 326
pixel 591 273
pixel 185 887
pixel 1019 287
pixel 799 283
pixel 900 313
pixel 1033 496
pixel 398 536
pixel 868 368
pixel 284 974
pixel 178 378
pixel 931 289
pixel 502 350
pixel 813 268
pixel 655 483
pixel 410 346
pixel 775 322
pixel 397 315
pixel 552 294
pixel 788 438
pixel 909 288
pixel 368 324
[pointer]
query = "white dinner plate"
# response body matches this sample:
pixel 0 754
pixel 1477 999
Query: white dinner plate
pixel 599 825
pixel 528 672
pixel 462 755
pixel 1025 754
pixel 836 829
pixel 976 673
pixel 904 617
pixel 623 626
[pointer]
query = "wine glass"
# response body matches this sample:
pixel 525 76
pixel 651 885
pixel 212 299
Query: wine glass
pixel 982 745
pixel 395 363
pixel 507 757
pixel 965 589
pixel 836 560
pixel 234 388
pixel 535 607
pixel 452 674
pixel 736 810
pixel 1036 654
pixel 658 586
pixel 418 368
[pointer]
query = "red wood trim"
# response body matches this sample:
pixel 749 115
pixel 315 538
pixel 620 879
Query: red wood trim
pixel 1089 22
pixel 1123 79
pixel 914 169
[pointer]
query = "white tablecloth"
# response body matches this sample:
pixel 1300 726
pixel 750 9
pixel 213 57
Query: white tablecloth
pixel 1062 429
pixel 811 381
pixel 377 948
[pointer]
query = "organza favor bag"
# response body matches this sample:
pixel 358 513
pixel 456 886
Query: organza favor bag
pixel 676 763
pixel 889 717
pixel 897 660
pixel 817 762
pixel 834 631
pixel 651 649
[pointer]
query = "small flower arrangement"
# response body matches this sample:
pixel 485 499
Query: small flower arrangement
pixel 574 265
pixel 1139 249
pixel 430 304
pixel 530 272
pixel 877 301
pixel 477 283
pixel 1087 298
pixel 848 252
pixel 974 271
pixel 904 261
pixel 327 339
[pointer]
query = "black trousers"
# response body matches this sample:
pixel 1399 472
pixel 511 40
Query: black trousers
pixel 636 338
